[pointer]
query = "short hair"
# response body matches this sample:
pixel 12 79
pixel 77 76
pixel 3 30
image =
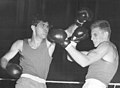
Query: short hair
pixel 37 18
pixel 103 25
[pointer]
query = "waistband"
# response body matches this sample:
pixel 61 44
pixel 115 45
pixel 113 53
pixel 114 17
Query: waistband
pixel 35 78
pixel 96 82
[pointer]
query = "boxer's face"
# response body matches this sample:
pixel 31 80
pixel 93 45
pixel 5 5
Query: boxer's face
pixel 42 29
pixel 97 36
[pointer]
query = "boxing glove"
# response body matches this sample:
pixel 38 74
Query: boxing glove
pixel 79 34
pixel 14 70
pixel 56 35
pixel 83 15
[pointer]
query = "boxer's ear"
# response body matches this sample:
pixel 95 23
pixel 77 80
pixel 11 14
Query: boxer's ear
pixel 33 27
pixel 106 34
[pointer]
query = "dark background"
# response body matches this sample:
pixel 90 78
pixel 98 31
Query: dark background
pixel 15 21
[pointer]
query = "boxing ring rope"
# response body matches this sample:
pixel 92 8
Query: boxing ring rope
pixel 61 82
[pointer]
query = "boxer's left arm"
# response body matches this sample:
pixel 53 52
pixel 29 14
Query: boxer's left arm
pixel 51 47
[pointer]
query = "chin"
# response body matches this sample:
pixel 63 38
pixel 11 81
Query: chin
pixel 95 45
pixel 44 36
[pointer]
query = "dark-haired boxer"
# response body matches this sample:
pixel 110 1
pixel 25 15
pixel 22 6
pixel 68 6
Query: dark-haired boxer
pixel 36 56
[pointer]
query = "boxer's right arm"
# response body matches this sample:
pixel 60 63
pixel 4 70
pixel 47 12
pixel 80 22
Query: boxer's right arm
pixel 71 59
pixel 12 69
pixel 15 48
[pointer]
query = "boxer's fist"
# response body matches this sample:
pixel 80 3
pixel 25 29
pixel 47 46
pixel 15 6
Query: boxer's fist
pixel 84 15
pixel 79 34
pixel 56 35
pixel 14 70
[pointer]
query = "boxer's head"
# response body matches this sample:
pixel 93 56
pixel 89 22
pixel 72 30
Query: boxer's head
pixel 100 31
pixel 40 29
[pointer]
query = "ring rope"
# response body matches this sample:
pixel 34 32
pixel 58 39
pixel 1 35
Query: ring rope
pixel 63 82
pixel 66 82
